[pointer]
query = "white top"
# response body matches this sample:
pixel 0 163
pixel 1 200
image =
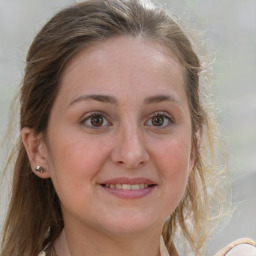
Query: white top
pixel 240 247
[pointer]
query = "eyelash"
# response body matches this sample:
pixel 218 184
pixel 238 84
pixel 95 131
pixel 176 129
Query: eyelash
pixel 106 122
pixel 163 115
pixel 89 117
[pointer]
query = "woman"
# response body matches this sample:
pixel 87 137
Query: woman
pixel 114 137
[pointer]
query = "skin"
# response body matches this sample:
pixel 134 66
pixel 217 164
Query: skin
pixel 134 74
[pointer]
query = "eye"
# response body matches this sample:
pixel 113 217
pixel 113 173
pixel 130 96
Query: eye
pixel 95 120
pixel 161 120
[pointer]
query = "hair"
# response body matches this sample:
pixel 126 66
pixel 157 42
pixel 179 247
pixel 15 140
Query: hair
pixel 34 217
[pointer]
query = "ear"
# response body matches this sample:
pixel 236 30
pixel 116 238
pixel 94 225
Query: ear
pixel 36 150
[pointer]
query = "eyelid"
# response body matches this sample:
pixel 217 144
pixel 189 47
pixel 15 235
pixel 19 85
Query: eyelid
pixel 163 114
pixel 91 114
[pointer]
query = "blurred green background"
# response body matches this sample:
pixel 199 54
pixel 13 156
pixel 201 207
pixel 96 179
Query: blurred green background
pixel 229 30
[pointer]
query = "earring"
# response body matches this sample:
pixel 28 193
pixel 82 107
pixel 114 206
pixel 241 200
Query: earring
pixel 40 169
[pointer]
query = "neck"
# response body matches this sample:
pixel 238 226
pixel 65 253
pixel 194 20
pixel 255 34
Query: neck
pixel 75 244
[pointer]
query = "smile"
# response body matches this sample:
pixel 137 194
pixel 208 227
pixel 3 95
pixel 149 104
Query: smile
pixel 127 186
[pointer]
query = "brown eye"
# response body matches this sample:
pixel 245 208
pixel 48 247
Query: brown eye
pixel 158 120
pixel 97 120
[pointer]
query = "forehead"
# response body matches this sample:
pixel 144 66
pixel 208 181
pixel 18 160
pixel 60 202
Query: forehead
pixel 123 65
pixel 123 48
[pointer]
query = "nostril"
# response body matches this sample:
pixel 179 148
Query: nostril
pixel 129 157
pixel 131 164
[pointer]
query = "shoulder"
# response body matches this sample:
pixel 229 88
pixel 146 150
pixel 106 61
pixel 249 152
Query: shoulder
pixel 242 246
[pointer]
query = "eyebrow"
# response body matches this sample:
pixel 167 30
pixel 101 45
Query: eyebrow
pixel 96 97
pixel 112 100
pixel 162 98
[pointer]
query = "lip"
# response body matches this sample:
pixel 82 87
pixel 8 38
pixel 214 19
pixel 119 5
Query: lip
pixel 129 194
pixel 130 181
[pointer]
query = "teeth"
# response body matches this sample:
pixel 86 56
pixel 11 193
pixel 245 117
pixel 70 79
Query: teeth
pixel 143 186
pixel 136 186
pixel 127 186
pixel 118 186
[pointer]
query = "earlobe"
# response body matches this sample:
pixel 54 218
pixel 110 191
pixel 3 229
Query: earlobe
pixel 36 152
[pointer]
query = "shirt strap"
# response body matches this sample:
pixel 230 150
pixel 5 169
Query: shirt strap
pixel 239 246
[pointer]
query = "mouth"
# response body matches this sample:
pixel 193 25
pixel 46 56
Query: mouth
pixel 128 186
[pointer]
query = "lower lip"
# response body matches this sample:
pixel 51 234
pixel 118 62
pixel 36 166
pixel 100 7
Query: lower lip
pixel 129 194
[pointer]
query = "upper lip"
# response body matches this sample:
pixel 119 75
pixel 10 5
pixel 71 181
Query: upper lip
pixel 130 181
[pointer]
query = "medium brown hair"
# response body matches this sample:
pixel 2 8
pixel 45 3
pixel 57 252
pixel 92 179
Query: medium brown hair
pixel 34 217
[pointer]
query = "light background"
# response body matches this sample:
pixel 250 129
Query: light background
pixel 229 29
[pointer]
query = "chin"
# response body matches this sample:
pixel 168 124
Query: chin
pixel 130 225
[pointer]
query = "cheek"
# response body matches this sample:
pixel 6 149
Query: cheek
pixel 75 160
pixel 74 165
pixel 175 152
pixel 174 165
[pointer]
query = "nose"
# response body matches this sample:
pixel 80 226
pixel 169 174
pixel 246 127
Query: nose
pixel 130 150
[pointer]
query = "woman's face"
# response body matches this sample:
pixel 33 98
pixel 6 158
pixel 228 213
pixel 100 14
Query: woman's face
pixel 118 145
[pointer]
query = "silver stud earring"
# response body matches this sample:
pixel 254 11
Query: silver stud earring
pixel 40 169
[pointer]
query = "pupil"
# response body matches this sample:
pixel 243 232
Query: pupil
pixel 158 121
pixel 97 121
